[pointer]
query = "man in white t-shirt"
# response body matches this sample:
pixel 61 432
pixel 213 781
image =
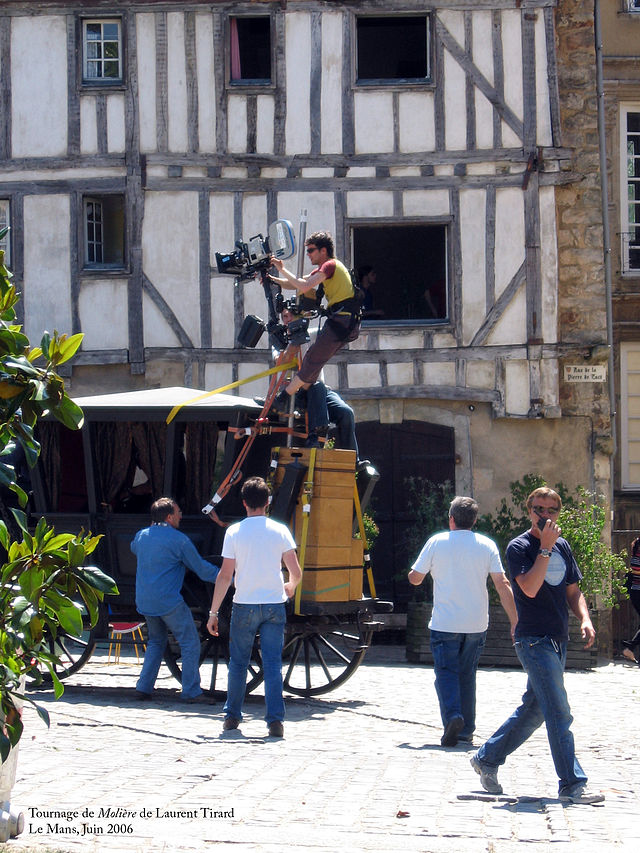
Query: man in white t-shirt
pixel 459 561
pixel 254 550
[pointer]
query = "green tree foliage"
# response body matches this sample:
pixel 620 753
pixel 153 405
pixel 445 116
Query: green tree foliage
pixel 45 586
pixel 581 521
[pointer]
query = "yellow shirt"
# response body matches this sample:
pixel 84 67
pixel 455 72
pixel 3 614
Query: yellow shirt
pixel 337 284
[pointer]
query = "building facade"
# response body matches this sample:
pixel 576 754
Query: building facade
pixel 451 145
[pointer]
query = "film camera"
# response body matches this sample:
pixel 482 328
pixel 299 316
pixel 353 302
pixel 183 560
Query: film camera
pixel 254 257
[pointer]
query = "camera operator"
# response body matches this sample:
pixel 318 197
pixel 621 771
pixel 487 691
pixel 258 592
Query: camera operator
pixel 331 279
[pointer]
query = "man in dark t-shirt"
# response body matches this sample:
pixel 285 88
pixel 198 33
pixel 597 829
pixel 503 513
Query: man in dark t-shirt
pixel 545 579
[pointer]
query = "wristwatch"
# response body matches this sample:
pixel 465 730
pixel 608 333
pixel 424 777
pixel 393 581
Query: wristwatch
pixel 544 552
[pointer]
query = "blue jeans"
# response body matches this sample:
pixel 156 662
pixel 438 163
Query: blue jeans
pixel 325 406
pixel 455 661
pixel 246 621
pixel 180 622
pixel 545 699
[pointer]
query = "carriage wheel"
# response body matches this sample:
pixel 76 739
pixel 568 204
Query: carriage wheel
pixel 317 662
pixel 73 652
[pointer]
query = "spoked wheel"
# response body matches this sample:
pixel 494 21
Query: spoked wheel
pixel 72 652
pixel 317 661
pixel 214 660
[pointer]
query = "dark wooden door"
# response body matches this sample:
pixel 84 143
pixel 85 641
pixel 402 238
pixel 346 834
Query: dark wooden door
pixel 400 451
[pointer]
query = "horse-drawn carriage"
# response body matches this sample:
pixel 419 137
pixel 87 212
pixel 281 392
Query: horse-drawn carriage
pixel 135 446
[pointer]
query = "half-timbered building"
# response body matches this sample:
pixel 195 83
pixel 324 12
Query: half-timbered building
pixel 451 145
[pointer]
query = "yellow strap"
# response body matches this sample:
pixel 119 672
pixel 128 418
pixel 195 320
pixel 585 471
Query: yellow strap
pixel 277 369
pixel 367 558
pixel 307 493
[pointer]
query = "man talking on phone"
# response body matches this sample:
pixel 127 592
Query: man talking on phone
pixel 544 577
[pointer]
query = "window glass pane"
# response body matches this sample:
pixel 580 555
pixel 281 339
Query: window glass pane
pixel 110 31
pixel 392 48
pixel 104 231
pixel 4 222
pixel 94 31
pixel 250 49
pixel 102 50
pixel 111 70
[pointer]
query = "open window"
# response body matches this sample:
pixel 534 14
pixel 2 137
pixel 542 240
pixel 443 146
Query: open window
pixel 250 50
pixel 630 188
pixel 392 49
pixel 5 242
pixel 104 232
pixel 410 271
pixel 102 51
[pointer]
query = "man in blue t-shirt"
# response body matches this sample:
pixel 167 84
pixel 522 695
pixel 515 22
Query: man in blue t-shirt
pixel 545 579
pixel 164 555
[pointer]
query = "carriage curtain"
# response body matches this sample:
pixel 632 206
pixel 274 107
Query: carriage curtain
pixel 150 440
pixel 48 434
pixel 201 440
pixel 112 445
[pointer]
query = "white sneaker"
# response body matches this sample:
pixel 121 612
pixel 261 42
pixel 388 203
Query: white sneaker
pixel 581 794
pixel 488 776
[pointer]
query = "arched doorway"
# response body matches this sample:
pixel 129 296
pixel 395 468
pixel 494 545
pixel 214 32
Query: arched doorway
pixel 400 451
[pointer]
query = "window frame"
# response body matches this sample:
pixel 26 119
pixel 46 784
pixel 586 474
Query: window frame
pixel 102 267
pixel 5 243
pixel 625 481
pixel 632 6
pixel 427 82
pixel 101 82
pixel 441 324
pixel 625 228
pixel 249 85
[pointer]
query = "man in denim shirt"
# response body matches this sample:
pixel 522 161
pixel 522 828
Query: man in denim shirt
pixel 164 554
pixel 545 579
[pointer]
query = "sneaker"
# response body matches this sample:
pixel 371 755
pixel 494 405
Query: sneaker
pixel 580 794
pixel 200 699
pixel 451 732
pixel 276 729
pixel 230 723
pixel 281 404
pixel 141 696
pixel 488 776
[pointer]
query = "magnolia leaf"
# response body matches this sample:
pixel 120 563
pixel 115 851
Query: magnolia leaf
pixel 23 497
pixel 4 536
pixel 20 518
pixel 68 348
pixel 69 413
pixel 97 579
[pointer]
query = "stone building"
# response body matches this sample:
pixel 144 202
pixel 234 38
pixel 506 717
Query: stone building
pixel 451 145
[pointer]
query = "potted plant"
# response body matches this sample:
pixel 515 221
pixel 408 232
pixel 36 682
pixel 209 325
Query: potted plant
pixel 45 587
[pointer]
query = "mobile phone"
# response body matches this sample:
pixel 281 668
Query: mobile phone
pixel 542 523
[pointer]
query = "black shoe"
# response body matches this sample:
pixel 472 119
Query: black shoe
pixel 141 696
pixel 230 723
pixel 451 732
pixel 281 404
pixel 200 699
pixel 276 729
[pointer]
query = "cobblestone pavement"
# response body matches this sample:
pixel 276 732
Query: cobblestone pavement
pixel 360 769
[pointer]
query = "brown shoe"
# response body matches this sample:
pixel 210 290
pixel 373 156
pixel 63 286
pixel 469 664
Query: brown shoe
pixel 200 699
pixel 230 723
pixel 276 729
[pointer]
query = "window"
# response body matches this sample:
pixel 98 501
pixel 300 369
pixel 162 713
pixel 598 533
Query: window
pixel 102 51
pixel 630 189
pixel 104 231
pixel 410 271
pixel 630 407
pixel 393 49
pixel 5 243
pixel 633 5
pixel 250 50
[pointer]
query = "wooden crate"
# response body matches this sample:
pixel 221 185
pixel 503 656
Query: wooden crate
pixel 332 584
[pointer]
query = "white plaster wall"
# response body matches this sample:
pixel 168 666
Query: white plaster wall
pixel 146 45
pixel 47 275
pixel 401 338
pixel 254 221
pixel 217 375
pixel 440 373
pixel 400 373
pixel 206 82
pixel 170 261
pixel 481 374
pixel 512 53
pixel 256 388
pixel 298 60
pixel 482 28
pixel 222 311
pixel 512 326
pixel 517 398
pixel 176 83
pixel 455 104
pixel 222 287
pixel 331 96
pixel 265 124
pixel 115 124
pixel 370 204
pixel 509 251
pixel 417 122
pixel 472 230
pixel 104 314
pixel 39 86
pixel 373 120
pixel 542 85
pixel 88 125
pixel 364 375
pixel 321 216
pixel 426 203
pixel 237 123
pixel 549 264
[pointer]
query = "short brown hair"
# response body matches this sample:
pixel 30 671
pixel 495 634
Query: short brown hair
pixel 543 492
pixel 161 508
pixel 255 493
pixel 322 240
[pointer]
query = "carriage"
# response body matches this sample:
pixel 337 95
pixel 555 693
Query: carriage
pixel 137 445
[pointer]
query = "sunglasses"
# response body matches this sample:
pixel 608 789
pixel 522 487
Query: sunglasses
pixel 311 249
pixel 549 510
